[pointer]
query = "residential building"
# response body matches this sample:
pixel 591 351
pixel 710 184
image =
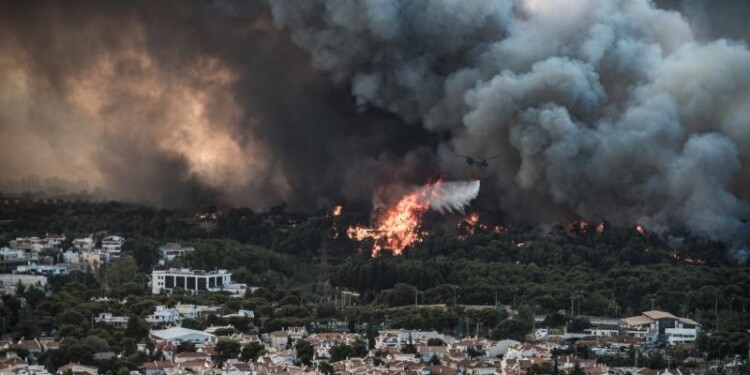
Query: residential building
pixel 54 241
pixel 112 244
pixel 94 259
pixel 9 281
pixel 499 348
pixel 396 338
pixel 177 335
pixel 248 315
pixel 192 356
pixel 85 243
pixel 172 250
pixel 157 368
pixel 32 244
pixel 36 370
pixel 164 315
pixel 600 332
pixel 34 347
pixel 111 248
pixel 47 270
pixel 659 326
pixel 525 351
pixel 233 367
pixel 112 320
pixel 78 369
pixel 8 254
pixel 194 281
pixel 197 311
pixel 279 340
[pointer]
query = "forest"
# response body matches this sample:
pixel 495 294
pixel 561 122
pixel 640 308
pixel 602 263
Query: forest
pixel 441 283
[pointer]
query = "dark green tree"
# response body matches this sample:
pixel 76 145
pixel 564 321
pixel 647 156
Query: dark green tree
pixel 226 349
pixel 252 351
pixel 305 352
pixel 326 368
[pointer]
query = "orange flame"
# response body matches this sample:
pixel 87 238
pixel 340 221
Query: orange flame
pixel 640 229
pixel 398 227
pixel 600 228
pixel 689 260
pixel 579 226
pixel 338 210
pixel 468 225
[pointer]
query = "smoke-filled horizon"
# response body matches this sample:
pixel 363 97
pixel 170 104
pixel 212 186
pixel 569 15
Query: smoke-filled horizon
pixel 619 109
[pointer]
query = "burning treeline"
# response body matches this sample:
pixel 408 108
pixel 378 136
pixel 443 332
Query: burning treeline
pixel 312 102
pixel 398 226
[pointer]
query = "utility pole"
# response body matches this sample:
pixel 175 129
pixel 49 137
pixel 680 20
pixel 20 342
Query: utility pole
pixel 716 312
pixel 572 306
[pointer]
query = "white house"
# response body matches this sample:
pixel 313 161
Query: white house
pixel 112 320
pixel 279 340
pixel 177 335
pixel 8 254
pixel 54 241
pixel 196 311
pixel 498 348
pixel 164 316
pixel 172 250
pixel 84 243
pixel 659 326
pixel 112 247
pixel 194 281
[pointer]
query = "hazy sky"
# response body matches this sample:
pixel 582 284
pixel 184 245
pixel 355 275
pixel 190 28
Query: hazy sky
pixel 617 109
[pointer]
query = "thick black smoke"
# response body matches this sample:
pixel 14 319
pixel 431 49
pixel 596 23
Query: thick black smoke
pixel 188 103
pixel 627 110
pixel 609 109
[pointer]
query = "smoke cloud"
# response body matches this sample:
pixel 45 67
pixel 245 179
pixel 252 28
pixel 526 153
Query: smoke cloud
pixel 625 110
pixel 601 109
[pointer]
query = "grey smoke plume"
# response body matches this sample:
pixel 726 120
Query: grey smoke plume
pixel 599 108
pixel 614 109
pixel 187 103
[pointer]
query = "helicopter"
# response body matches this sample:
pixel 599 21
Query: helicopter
pixel 477 162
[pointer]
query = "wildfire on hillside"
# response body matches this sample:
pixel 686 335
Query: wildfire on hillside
pixel 583 227
pixel 338 210
pixel 601 227
pixel 468 225
pixel 580 226
pixel 207 216
pixel 686 259
pixel 399 226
